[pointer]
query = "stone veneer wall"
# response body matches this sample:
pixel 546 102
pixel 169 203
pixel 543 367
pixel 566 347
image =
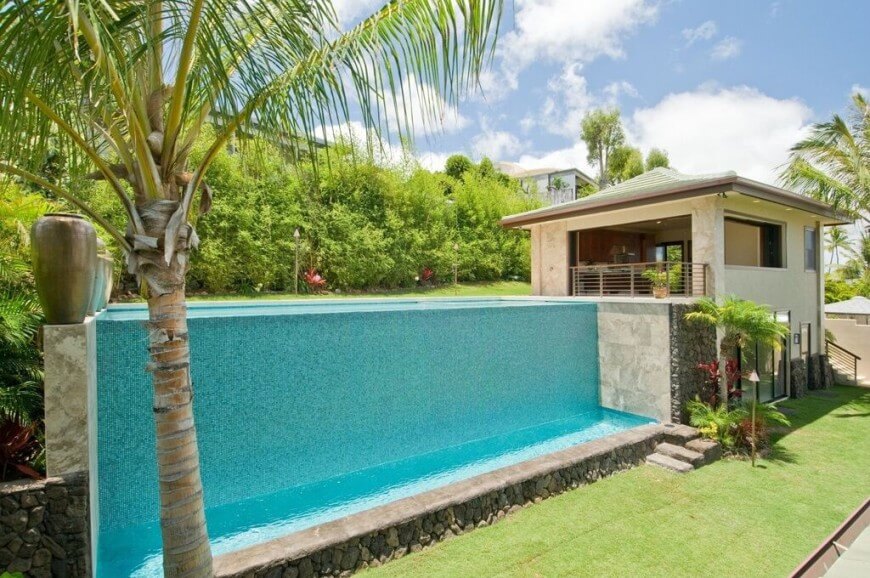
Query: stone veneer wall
pixel 798 378
pixel 371 538
pixel 691 344
pixel 634 365
pixel 44 528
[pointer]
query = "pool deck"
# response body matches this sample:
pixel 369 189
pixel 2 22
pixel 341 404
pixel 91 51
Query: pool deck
pixel 380 534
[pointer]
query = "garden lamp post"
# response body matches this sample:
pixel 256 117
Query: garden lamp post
pixel 296 264
pixel 753 377
pixel 455 263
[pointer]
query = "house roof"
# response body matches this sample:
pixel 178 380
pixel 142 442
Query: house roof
pixel 854 306
pixel 663 184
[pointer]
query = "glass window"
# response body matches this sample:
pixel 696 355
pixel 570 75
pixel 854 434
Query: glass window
pixel 753 243
pixel 810 249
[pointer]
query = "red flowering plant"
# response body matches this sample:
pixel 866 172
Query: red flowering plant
pixel 19 445
pixel 315 281
pixel 712 376
pixel 427 276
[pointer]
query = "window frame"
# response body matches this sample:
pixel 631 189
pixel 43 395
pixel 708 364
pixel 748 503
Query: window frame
pixel 760 223
pixel 815 232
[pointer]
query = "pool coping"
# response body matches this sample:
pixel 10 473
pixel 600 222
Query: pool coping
pixel 339 547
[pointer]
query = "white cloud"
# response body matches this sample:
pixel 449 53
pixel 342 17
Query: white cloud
pixel 573 156
pixel 424 110
pixel 616 89
pixel 704 31
pixel 570 98
pixel 495 144
pixel 349 11
pixel 862 90
pixel 711 130
pixel 564 31
pixel 432 161
pixel 728 47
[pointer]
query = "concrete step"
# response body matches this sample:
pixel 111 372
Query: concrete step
pixel 678 434
pixel 669 463
pixel 696 459
pixel 711 450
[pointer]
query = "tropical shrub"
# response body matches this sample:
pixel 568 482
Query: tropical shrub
pixel 717 422
pixel 21 401
pixel 732 428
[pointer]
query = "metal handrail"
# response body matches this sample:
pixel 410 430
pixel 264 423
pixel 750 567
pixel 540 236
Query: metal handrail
pixel 844 357
pixel 684 279
pixel 842 349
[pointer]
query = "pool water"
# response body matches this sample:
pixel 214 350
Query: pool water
pixel 308 413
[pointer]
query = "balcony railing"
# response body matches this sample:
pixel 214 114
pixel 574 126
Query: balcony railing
pixel 632 279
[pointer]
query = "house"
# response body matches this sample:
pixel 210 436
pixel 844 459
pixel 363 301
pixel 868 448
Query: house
pixel 553 186
pixel 849 324
pixel 712 234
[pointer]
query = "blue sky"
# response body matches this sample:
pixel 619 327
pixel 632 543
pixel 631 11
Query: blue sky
pixel 725 85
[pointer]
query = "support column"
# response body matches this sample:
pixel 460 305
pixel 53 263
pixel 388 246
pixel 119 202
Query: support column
pixel 71 409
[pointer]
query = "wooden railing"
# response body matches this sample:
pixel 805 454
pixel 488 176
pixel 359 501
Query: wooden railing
pixel 842 360
pixel 631 279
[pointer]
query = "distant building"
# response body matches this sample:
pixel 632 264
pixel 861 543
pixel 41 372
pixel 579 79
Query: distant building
pixel 553 186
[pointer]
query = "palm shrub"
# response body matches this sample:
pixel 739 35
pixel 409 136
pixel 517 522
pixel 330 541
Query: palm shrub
pixel 123 91
pixel 21 399
pixel 744 323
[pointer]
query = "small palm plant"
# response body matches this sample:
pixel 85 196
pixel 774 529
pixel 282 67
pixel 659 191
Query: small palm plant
pixel 744 323
pixel 124 89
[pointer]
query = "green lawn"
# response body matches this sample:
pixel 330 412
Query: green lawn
pixel 495 289
pixel 726 519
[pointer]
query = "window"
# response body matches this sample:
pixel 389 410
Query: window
pixel 753 243
pixel 810 248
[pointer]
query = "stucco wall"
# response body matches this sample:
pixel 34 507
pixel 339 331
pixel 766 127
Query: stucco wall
pixel 855 338
pixel 634 357
pixel 789 288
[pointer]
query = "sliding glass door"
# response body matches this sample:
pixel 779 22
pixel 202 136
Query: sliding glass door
pixel 770 363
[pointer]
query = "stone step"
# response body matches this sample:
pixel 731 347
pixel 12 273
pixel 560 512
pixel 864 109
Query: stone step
pixel 711 450
pixel 669 463
pixel 696 459
pixel 678 434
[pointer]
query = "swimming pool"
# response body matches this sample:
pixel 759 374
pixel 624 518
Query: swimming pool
pixel 307 412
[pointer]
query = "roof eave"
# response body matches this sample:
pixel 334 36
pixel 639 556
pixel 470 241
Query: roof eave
pixel 726 184
pixel 605 204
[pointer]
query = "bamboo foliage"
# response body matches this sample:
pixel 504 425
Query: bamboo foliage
pixel 121 89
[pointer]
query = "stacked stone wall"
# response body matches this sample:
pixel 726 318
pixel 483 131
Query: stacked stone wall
pixel 691 343
pixel 44 529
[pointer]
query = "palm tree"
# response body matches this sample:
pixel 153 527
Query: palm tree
pixel 833 163
pixel 743 323
pixel 122 89
pixel 838 238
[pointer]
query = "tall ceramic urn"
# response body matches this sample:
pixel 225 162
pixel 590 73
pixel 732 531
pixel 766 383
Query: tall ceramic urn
pixel 108 277
pixel 64 252
pixel 96 304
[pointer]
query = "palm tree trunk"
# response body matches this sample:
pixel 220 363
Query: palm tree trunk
pixel 186 548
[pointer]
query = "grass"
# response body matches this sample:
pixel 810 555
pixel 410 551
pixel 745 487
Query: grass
pixel 493 289
pixel 726 519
